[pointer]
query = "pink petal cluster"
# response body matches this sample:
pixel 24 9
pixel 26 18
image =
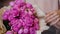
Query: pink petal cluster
pixel 22 18
pixel 9 32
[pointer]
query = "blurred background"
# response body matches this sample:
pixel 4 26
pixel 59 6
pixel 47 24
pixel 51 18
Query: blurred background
pixel 4 3
pixel 59 4
pixel 45 5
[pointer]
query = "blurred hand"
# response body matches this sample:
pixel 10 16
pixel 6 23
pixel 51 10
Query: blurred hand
pixel 52 18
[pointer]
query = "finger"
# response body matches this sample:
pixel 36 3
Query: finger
pixel 50 13
pixel 53 18
pixel 58 23
pixel 54 22
pixel 56 26
pixel 48 18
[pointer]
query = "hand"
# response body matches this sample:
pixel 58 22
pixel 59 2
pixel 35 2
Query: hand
pixel 52 17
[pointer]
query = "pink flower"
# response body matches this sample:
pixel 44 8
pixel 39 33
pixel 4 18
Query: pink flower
pixel 5 17
pixel 13 22
pixel 36 20
pixel 30 13
pixel 36 24
pixel 26 30
pixel 19 1
pixel 9 32
pixel 14 28
pixel 29 5
pixel 32 31
pixel 20 31
pixel 10 18
pixel 19 25
pixel 12 3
